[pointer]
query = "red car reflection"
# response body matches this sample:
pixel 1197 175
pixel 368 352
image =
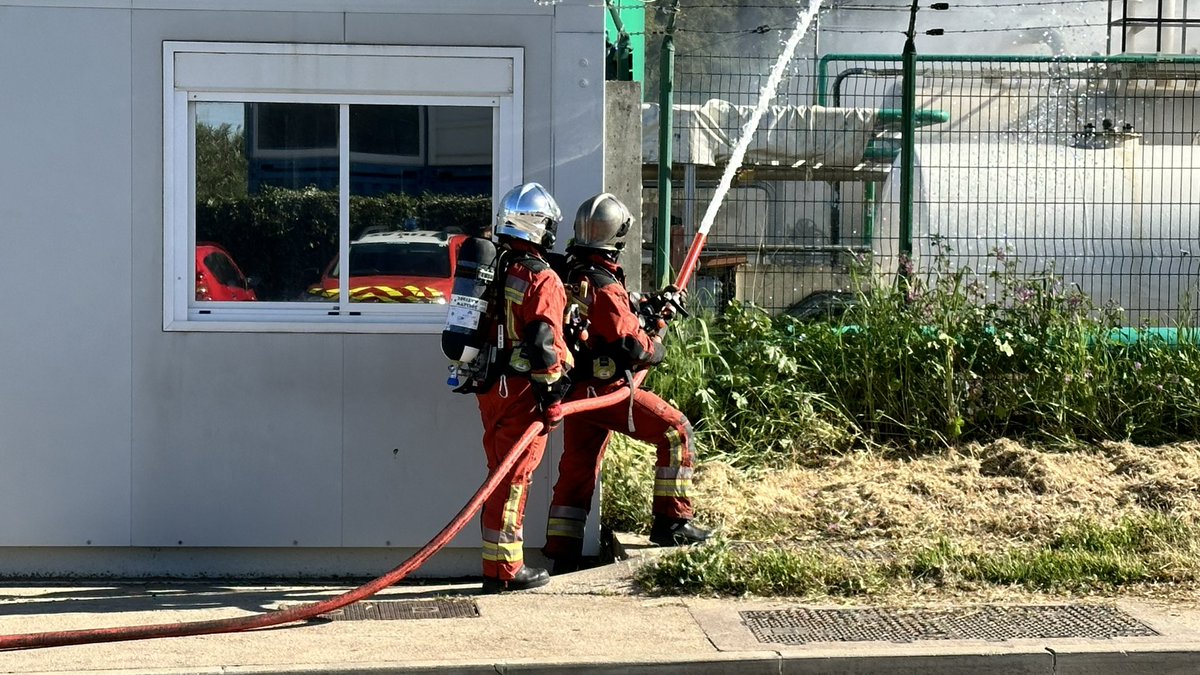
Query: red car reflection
pixel 218 278
pixel 415 266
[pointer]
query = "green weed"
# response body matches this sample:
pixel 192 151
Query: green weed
pixel 722 569
pixel 1088 556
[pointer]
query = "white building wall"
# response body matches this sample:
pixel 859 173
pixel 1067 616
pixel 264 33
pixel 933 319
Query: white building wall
pixel 65 182
pixel 128 450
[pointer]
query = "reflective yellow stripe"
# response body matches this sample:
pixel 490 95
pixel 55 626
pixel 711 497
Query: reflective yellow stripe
pixel 676 442
pixel 512 552
pixel 518 362
pixel 546 378
pixel 510 322
pixel 564 527
pixel 510 508
pixel 513 295
pixel 666 487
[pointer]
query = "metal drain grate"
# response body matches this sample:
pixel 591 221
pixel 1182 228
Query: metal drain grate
pixel 802 626
pixel 392 610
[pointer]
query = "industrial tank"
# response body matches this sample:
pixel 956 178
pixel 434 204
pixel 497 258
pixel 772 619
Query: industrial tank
pixel 1118 219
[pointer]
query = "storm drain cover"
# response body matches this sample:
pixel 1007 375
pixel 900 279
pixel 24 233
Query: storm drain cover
pixel 802 626
pixel 391 610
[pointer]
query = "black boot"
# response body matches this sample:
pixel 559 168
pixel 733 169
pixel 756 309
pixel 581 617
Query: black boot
pixel 566 566
pixel 676 532
pixel 567 557
pixel 526 578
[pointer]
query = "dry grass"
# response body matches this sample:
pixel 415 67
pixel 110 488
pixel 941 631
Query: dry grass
pixel 998 497
pixel 1001 492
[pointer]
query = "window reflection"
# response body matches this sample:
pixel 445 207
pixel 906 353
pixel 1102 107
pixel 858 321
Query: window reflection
pixel 400 151
pixel 267 197
pixel 218 277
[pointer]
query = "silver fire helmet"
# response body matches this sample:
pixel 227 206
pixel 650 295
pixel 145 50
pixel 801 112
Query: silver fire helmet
pixel 602 223
pixel 528 212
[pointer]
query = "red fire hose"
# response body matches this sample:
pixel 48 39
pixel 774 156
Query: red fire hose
pixel 305 612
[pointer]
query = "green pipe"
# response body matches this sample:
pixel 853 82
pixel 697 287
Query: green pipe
pixel 1167 335
pixel 868 219
pixel 922 117
pixel 823 66
pixel 666 80
pixel 616 17
pixel 621 51
pixel 885 116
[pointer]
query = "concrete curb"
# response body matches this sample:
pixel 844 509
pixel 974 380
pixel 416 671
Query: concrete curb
pixel 1046 662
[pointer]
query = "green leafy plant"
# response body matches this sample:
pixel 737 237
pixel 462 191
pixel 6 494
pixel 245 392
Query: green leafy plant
pixel 627 485
pixel 931 360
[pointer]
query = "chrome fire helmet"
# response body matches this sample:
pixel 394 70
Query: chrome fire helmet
pixel 602 223
pixel 528 212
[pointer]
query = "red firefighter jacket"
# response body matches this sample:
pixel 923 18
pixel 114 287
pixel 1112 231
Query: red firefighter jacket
pixel 534 307
pixel 616 341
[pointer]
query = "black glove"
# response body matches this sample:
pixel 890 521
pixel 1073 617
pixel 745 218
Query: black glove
pixel 673 299
pixel 549 400
pixel 656 309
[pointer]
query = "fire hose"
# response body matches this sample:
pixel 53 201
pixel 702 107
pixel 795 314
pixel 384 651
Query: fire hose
pixel 308 611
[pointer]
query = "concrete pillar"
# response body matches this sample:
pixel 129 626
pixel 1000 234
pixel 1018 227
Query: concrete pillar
pixel 623 165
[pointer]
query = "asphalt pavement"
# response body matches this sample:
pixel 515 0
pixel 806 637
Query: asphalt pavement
pixel 592 621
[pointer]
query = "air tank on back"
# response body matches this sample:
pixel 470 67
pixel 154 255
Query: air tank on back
pixel 462 337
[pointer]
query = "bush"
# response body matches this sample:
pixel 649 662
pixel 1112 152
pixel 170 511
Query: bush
pixel 930 362
pixel 738 386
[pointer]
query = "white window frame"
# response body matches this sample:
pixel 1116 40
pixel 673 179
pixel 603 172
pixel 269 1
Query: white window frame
pixel 196 72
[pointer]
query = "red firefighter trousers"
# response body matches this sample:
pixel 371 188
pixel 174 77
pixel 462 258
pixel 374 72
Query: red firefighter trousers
pixel 507 409
pixel 585 438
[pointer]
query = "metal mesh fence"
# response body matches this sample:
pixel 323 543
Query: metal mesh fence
pixel 771 242
pixel 1087 167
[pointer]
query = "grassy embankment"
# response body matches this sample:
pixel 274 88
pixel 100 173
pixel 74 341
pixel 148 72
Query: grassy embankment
pixel 951 433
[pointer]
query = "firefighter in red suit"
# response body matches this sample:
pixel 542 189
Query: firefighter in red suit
pixel 615 345
pixel 532 361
